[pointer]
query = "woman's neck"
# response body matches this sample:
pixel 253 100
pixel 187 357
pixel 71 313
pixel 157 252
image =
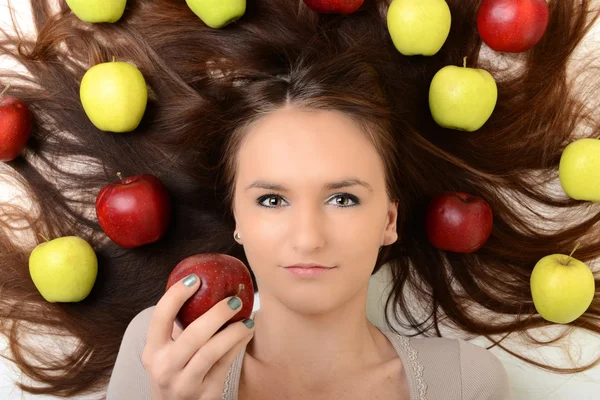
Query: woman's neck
pixel 316 346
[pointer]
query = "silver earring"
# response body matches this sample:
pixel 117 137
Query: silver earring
pixel 237 236
pixel 381 247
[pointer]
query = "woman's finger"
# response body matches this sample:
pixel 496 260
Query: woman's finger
pixel 165 313
pixel 176 331
pixel 210 365
pixel 199 332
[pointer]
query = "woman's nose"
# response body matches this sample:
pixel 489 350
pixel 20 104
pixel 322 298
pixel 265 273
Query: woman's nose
pixel 308 229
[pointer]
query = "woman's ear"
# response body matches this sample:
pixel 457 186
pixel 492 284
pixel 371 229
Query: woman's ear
pixel 235 222
pixel 233 213
pixel 391 233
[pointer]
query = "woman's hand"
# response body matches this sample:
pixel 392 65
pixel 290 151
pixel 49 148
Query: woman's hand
pixel 192 363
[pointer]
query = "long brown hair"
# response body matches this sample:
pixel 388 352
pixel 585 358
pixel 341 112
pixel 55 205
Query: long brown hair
pixel 206 84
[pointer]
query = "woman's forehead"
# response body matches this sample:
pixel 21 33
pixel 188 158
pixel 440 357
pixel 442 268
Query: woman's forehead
pixel 316 145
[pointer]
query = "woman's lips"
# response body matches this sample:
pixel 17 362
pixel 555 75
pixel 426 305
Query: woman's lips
pixel 308 271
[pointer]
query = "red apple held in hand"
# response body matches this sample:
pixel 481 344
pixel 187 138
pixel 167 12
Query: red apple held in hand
pixel 134 211
pixel 512 26
pixel 458 222
pixel 15 126
pixel 220 276
pixel 343 7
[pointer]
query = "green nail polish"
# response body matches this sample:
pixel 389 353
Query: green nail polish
pixel 190 280
pixel 234 303
pixel 249 323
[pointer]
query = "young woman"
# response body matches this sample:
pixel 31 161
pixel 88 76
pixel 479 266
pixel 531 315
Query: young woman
pixel 301 198
pixel 291 137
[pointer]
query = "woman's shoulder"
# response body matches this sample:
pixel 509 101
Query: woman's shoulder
pixel 142 319
pixel 137 330
pixel 457 349
pixel 455 368
pixel 482 373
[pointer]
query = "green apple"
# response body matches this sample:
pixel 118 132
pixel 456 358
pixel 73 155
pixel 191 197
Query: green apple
pixel 114 96
pixel 64 269
pixel 462 98
pixel 218 13
pixel 562 288
pixel 98 10
pixel 579 170
pixel 419 27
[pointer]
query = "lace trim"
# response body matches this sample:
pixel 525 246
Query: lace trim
pixel 231 386
pixel 416 366
pixel 226 388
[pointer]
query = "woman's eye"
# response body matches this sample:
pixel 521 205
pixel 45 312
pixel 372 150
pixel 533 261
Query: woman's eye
pixel 345 200
pixel 269 201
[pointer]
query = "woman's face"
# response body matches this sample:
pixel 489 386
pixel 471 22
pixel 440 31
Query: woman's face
pixel 310 188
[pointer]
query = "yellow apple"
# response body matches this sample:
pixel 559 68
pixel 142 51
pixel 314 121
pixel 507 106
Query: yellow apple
pixel 419 27
pixel 64 269
pixel 579 170
pixel 114 96
pixel 462 98
pixel 97 10
pixel 562 288
pixel 218 13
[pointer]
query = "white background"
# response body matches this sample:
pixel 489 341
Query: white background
pixel 528 382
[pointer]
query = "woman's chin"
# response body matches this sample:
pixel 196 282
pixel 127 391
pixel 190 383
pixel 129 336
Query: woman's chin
pixel 310 308
pixel 299 302
pixel 311 303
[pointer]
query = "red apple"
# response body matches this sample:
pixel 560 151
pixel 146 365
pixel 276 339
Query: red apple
pixel 220 276
pixel 512 26
pixel 458 222
pixel 15 126
pixel 134 211
pixel 343 7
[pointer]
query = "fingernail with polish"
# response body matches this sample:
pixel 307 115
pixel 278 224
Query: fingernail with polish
pixel 234 303
pixel 249 323
pixel 190 280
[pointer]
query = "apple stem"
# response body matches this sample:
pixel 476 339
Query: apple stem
pixel 44 237
pixel 576 247
pixel 4 91
pixel 114 58
pixel 120 176
pixel 465 62
pixel 240 288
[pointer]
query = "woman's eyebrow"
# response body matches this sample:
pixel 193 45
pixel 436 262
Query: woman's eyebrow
pixel 348 182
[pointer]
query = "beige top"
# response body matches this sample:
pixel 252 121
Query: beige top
pixel 436 368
